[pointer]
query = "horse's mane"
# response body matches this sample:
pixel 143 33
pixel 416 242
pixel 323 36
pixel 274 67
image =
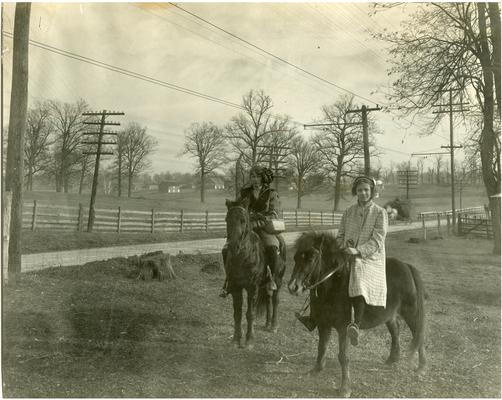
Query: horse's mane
pixel 317 239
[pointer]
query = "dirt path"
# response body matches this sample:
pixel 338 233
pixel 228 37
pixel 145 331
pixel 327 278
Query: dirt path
pixel 37 261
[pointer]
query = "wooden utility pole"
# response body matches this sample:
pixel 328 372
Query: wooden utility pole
pixel 364 120
pixel 452 147
pixel 99 151
pixel 17 125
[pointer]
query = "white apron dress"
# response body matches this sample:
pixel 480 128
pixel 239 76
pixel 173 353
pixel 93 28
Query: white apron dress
pixel 366 227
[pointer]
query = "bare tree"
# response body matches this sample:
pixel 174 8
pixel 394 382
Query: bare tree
pixel 248 130
pixel 138 145
pixel 118 161
pixel 207 144
pixel 67 122
pixel 277 145
pixel 420 169
pixel 445 45
pixel 37 142
pixel 438 163
pixel 304 161
pixel 85 163
pixel 340 146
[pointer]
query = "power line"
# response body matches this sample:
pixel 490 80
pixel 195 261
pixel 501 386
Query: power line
pixel 273 55
pixel 132 74
pixel 140 76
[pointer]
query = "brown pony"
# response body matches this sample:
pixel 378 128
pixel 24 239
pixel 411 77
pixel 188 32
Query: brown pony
pixel 246 269
pixel 322 267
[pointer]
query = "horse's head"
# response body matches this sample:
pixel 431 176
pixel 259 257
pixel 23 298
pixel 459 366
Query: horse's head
pixel 238 225
pixel 316 255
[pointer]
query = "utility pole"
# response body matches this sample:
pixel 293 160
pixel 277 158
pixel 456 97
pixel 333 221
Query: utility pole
pixel 364 119
pixel 452 147
pixel 17 126
pixel 99 151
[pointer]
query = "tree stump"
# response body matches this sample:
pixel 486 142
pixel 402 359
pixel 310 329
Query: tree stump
pixel 155 265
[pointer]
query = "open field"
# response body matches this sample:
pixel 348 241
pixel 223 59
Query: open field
pixel 92 331
pixel 427 198
pixel 424 198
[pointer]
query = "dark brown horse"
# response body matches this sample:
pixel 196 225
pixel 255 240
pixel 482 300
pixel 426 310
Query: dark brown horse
pixel 322 267
pixel 246 268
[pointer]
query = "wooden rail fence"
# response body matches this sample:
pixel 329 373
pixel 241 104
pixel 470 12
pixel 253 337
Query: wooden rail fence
pixel 37 216
pixel 475 225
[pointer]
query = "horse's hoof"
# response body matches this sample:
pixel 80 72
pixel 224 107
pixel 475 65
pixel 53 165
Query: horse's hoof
pixel 273 329
pixel 420 370
pixel 249 346
pixel 345 393
pixel 314 371
pixel 391 361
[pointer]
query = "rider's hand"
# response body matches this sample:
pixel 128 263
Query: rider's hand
pixel 352 251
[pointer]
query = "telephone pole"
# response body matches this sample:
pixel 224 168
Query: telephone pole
pixel 15 146
pixel 99 151
pixel 364 119
pixel 451 146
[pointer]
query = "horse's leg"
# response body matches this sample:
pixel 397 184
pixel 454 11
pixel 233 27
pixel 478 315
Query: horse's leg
pixel 275 305
pixel 393 327
pixel 408 314
pixel 268 324
pixel 250 314
pixel 343 358
pixel 322 346
pixel 237 302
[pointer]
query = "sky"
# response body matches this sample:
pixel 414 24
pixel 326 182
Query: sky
pixel 331 40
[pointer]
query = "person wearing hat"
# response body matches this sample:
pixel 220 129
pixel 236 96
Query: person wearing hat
pixel 263 203
pixel 362 233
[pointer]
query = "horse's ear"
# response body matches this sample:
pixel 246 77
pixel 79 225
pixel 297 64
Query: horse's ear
pixel 318 242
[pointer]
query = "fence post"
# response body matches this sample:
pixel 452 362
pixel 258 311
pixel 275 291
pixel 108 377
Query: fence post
pixel 207 220
pixel 322 222
pixel 119 215
pixel 310 224
pixel 459 224
pixel 448 223
pixel 296 217
pixel 181 220
pixel 80 217
pixel 34 216
pixel 333 217
pixel 439 224
pixel 487 230
pixel 423 227
pixel 153 221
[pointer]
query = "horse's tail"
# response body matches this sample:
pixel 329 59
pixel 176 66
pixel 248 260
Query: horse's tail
pixel 261 300
pixel 419 336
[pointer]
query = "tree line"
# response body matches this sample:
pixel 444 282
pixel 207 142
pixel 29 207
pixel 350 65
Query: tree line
pixel 257 136
pixel 54 151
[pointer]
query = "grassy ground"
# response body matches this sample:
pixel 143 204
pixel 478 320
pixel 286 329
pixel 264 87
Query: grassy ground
pixel 424 198
pixel 92 331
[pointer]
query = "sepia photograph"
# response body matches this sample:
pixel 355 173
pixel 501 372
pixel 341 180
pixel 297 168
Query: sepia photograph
pixel 251 200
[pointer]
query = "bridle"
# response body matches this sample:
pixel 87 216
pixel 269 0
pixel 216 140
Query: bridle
pixel 317 266
pixel 246 229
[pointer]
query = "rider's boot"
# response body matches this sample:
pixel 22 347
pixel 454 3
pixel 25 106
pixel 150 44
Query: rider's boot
pixel 353 328
pixel 272 257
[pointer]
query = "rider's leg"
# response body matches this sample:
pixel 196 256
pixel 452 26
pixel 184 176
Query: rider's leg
pixel 353 329
pixel 273 259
